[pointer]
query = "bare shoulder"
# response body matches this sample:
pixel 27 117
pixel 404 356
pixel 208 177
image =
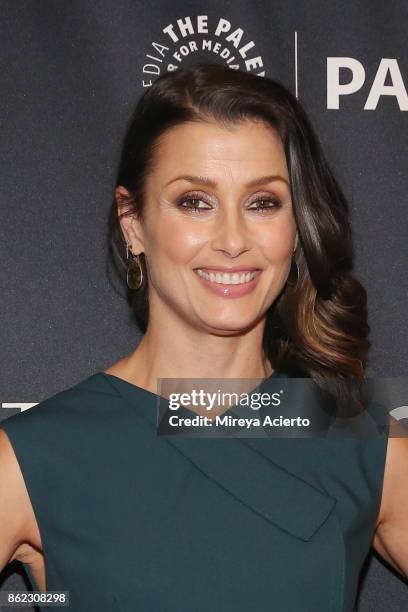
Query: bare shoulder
pixel 396 468
pixel 18 525
pixel 391 534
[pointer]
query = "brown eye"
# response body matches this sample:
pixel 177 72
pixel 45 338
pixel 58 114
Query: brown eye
pixel 190 204
pixel 266 205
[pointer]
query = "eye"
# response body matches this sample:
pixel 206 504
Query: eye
pixel 189 204
pixel 267 204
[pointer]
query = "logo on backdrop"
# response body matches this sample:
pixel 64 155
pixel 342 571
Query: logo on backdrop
pixel 190 38
pixel 388 71
pixel 193 38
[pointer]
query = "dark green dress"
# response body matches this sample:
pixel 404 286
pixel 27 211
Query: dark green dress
pixel 135 522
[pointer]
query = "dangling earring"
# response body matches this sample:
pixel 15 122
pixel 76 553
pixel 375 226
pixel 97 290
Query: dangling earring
pixel 134 275
pixel 290 281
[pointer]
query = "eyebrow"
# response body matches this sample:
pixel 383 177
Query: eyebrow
pixel 262 180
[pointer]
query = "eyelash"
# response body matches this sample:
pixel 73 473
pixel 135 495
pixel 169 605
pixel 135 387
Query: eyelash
pixel 196 210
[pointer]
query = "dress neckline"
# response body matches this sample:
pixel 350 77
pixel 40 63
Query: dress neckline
pixel 156 396
pixel 145 399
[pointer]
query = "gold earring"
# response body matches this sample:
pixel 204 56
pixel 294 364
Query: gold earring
pixel 134 274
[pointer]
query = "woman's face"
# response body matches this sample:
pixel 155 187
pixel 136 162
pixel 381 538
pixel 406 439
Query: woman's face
pixel 229 217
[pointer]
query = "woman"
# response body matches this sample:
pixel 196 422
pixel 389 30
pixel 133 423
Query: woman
pixel 234 238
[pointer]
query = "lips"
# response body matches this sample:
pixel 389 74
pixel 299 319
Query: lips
pixel 225 278
pixel 228 269
pixel 241 285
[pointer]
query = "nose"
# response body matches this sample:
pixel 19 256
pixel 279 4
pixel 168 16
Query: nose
pixel 231 237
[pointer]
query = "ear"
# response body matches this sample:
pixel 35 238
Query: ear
pixel 131 227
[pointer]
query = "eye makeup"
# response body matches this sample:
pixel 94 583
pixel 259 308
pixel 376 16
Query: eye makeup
pixel 192 203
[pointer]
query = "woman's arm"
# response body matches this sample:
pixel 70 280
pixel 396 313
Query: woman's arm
pixel 14 503
pixel 391 534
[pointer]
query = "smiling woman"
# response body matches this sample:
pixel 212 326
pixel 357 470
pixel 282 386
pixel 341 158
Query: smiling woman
pixel 235 238
pixel 222 171
pixel 240 267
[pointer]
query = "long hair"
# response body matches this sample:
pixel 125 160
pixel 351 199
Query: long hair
pixel 319 326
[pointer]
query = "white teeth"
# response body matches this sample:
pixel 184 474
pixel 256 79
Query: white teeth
pixel 227 279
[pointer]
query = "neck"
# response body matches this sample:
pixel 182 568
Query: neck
pixel 166 353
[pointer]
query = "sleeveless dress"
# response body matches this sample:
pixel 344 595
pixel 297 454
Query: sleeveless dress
pixel 131 521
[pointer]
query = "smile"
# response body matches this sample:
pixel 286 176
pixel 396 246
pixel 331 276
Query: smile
pixel 223 278
pixel 228 284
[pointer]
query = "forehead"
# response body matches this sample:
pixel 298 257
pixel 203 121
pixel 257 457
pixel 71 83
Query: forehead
pixel 244 150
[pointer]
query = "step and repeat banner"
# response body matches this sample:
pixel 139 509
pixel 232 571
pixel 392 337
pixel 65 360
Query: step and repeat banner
pixel 71 73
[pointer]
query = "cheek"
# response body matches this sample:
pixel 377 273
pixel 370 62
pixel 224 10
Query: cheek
pixel 177 239
pixel 277 242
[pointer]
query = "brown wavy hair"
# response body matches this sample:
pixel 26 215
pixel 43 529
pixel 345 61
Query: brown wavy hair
pixel 318 327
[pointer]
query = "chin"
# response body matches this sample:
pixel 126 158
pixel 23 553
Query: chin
pixel 231 325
